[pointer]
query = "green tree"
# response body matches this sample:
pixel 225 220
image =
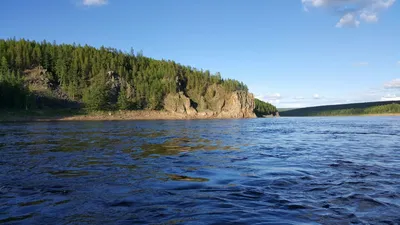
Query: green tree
pixel 3 67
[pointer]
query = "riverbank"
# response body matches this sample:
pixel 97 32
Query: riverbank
pixel 82 115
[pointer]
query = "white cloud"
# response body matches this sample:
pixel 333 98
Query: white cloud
pixel 316 96
pixel 348 20
pixel 274 98
pixel 369 17
pixel 94 2
pixel 393 84
pixel 390 97
pixel 351 11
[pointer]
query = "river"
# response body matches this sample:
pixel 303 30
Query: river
pixel 320 170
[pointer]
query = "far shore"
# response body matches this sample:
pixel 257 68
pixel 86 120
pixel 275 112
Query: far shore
pixel 364 115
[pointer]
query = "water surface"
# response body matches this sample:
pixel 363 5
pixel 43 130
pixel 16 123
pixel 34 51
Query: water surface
pixel 341 170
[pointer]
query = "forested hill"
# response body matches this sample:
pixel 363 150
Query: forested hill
pixel 98 78
pixel 368 108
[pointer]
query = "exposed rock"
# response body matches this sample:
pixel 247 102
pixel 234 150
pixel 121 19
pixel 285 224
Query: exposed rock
pixel 37 79
pixel 215 104
pixel 116 83
pixel 179 103
pixel 215 98
pixel 240 104
pixel 47 91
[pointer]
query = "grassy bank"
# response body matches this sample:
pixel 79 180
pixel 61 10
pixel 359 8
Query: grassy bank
pixel 34 115
pixel 358 109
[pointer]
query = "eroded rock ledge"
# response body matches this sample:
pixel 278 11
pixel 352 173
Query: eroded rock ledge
pixel 216 103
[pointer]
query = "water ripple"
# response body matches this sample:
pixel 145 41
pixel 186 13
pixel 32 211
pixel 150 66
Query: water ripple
pixel 263 171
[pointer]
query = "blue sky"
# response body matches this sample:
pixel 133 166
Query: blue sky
pixel 292 53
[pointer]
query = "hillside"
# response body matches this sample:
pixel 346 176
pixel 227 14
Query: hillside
pixel 43 75
pixel 263 109
pixel 368 108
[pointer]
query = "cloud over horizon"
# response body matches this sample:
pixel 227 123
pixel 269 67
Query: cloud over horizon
pixel 351 12
pixel 271 98
pixel 390 97
pixel 316 96
pixel 94 2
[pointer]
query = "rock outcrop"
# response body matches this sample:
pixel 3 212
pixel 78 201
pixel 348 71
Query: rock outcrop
pixel 48 94
pixel 116 84
pixel 216 103
pixel 179 103
pixel 239 104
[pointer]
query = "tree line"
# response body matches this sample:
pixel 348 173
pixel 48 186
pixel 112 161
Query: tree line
pixel 264 109
pixel 81 72
pixel 366 108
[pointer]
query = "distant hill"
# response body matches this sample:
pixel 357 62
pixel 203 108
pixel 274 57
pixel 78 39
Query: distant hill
pixel 285 109
pixel 368 108
pixel 264 109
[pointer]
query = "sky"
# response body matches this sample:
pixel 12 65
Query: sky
pixel 291 53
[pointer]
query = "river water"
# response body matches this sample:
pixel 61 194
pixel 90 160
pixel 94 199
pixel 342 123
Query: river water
pixel 336 170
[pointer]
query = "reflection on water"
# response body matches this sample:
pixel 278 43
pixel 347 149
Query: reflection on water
pixel 270 171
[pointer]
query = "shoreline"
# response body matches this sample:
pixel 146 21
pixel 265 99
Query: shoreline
pixel 134 115
pixel 79 115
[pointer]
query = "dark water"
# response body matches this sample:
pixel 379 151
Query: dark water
pixel 260 171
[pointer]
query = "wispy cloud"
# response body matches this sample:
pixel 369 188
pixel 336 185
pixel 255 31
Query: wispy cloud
pixel 351 12
pixel 361 64
pixel 94 2
pixel 398 62
pixel 393 84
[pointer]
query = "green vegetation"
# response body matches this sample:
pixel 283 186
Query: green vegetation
pixel 35 75
pixel 37 114
pixel 13 94
pixel 390 107
pixel 264 108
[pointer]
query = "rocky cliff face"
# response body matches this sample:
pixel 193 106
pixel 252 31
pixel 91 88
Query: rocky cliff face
pixel 179 103
pixel 216 103
pixel 239 104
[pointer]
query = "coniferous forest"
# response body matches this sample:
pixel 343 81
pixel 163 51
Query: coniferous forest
pixel 33 73
pixel 263 108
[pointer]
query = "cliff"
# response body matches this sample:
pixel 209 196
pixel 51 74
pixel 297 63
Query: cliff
pixel 216 103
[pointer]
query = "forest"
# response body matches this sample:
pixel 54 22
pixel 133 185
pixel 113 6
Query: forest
pixel 264 108
pixel 368 108
pixel 34 73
